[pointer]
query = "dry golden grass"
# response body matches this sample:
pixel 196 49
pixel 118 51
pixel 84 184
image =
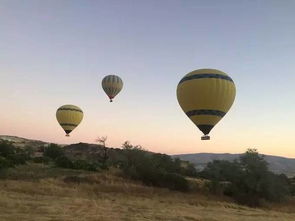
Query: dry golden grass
pixel 108 197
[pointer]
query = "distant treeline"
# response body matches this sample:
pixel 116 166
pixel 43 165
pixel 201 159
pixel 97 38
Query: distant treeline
pixel 247 180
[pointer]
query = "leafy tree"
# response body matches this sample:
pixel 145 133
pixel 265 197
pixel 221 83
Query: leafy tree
pixel 222 170
pixel 151 169
pixel 248 180
pixel 127 146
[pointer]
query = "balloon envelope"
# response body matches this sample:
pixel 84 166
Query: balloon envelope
pixel 69 117
pixel 206 95
pixel 112 85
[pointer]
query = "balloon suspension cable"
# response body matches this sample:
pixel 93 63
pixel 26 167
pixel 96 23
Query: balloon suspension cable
pixel 67 135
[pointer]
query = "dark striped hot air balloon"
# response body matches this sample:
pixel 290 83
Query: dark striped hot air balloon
pixel 206 95
pixel 69 117
pixel 112 85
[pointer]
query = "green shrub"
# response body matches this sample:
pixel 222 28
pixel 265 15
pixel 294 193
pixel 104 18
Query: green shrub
pixel 292 189
pixel 44 160
pixel 6 149
pixel 53 151
pixel 12 156
pixel 174 181
pixel 84 165
pixel 17 159
pixel 64 162
pixel 152 169
pixel 4 163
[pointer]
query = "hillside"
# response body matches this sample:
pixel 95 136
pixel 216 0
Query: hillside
pixel 39 192
pixel 276 164
pixel 23 142
pixel 89 151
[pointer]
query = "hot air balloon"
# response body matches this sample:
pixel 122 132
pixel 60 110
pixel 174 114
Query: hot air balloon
pixel 112 85
pixel 206 95
pixel 69 117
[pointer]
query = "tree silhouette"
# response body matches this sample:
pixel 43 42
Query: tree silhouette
pixel 105 156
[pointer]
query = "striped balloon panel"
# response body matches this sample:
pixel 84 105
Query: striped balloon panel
pixel 69 117
pixel 205 96
pixel 112 85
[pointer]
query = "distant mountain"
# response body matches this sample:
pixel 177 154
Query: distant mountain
pixel 276 164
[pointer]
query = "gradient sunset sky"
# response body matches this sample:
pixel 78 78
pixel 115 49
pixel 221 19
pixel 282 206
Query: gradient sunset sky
pixel 56 52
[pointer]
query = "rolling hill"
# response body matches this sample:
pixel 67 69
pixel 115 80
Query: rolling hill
pixel 276 164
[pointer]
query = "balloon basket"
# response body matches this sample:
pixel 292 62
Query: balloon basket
pixel 205 137
pixel 67 135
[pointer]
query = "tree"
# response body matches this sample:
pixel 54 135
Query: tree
pixel 252 162
pixel 249 179
pixel 128 146
pixel 104 157
pixel 152 169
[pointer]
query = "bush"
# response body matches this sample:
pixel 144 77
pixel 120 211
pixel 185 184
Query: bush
pixel 12 156
pixel 4 163
pixel 64 162
pixel 44 160
pixel 174 181
pixel 18 159
pixel 53 151
pixel 152 169
pixel 84 165
pixel 6 149
pixel 292 189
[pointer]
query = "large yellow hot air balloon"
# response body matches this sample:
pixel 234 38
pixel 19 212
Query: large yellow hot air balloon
pixel 206 95
pixel 69 117
pixel 112 85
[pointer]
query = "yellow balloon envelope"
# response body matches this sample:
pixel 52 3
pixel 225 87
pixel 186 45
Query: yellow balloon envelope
pixel 112 85
pixel 69 117
pixel 206 95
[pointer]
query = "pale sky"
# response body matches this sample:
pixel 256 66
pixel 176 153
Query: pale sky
pixel 56 52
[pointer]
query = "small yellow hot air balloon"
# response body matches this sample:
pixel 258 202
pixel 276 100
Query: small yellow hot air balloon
pixel 112 85
pixel 206 95
pixel 69 117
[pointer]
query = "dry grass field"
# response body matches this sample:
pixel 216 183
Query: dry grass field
pixel 36 192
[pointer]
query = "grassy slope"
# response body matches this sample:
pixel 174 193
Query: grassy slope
pixel 36 192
